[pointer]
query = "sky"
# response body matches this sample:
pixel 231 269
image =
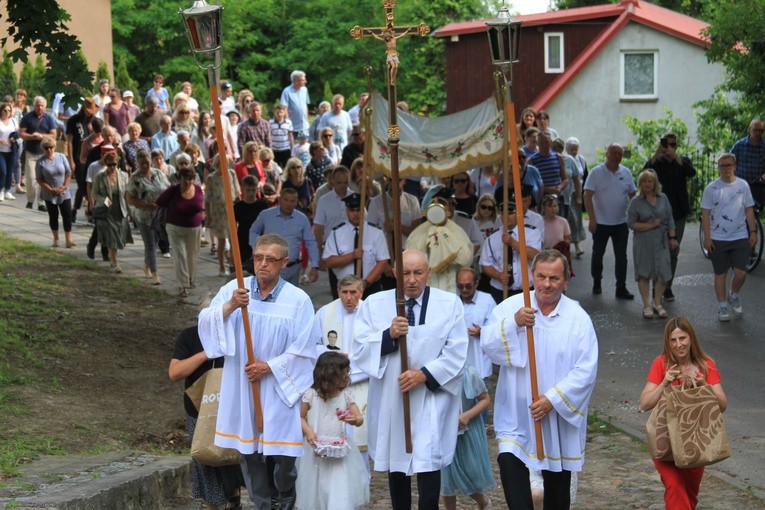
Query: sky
pixel 530 6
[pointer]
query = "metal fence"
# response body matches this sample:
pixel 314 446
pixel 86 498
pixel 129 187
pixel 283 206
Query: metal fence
pixel 706 172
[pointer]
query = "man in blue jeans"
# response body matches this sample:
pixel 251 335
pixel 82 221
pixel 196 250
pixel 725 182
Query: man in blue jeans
pixel 607 191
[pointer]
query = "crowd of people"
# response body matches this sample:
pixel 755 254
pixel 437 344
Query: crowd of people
pixel 298 212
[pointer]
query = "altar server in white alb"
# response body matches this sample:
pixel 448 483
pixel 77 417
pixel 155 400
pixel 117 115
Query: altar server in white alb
pixel 333 330
pixel 437 348
pixel 566 360
pixel 280 316
pixel 341 250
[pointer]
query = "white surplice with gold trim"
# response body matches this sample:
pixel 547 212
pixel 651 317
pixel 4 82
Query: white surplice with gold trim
pixel 281 336
pixel 566 350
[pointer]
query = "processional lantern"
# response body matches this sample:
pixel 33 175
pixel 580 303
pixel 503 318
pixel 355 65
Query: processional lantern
pixel 202 22
pixel 205 32
pixel 504 38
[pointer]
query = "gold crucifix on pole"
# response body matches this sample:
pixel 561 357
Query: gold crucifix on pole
pixel 390 34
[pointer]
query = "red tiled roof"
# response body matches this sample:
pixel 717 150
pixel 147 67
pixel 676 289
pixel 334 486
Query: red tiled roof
pixel 640 11
pixel 664 20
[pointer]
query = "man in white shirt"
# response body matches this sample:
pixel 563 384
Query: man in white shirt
pixel 608 189
pixel 342 250
pixel 478 306
pixel 437 348
pixel 566 351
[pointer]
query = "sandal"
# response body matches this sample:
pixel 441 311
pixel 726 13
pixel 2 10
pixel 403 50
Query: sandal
pixel 182 293
pixel 661 312
pixel 648 312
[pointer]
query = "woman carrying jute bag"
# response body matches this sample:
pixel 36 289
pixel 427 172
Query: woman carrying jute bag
pixel 692 418
pixel 216 486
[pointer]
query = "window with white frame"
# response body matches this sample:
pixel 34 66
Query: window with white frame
pixel 554 52
pixel 639 75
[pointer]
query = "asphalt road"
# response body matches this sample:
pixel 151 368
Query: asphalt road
pixel 628 344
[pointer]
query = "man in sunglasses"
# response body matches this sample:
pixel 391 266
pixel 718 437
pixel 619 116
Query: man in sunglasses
pixel 673 171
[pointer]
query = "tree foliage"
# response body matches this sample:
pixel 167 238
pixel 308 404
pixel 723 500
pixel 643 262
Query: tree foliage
pixel 737 33
pixel 262 48
pixel 41 26
pixel 648 133
pixel 8 80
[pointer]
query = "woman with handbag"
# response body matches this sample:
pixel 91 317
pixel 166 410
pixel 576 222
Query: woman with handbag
pixel 683 361
pixel 111 209
pixel 185 212
pixel 214 485
pixel 144 186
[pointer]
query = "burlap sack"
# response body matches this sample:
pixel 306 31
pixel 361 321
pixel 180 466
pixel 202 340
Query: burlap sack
pixel 658 434
pixel 696 429
pixel 203 448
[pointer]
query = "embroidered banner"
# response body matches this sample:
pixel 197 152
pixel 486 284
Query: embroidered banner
pixel 440 146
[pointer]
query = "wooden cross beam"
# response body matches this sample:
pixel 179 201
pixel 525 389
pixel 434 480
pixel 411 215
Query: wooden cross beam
pixel 389 34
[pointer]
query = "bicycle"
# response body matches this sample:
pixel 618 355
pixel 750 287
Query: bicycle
pixel 755 253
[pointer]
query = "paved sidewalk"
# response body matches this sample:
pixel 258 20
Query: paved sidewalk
pixel 618 472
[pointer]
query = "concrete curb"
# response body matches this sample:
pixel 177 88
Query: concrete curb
pixel 116 480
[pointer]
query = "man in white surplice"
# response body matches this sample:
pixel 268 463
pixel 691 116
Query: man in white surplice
pixel 280 317
pixel 437 348
pixel 567 362
pixel 333 330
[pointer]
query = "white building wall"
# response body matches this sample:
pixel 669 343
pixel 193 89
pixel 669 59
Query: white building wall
pixel 591 110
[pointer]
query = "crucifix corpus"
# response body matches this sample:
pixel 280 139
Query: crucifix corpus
pixel 390 34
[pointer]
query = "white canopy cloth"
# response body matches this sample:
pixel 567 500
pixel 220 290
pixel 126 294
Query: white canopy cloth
pixel 440 146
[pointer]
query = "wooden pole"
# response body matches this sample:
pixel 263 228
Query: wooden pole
pixel 506 252
pixel 228 193
pixel 513 133
pixel 398 249
pixel 365 112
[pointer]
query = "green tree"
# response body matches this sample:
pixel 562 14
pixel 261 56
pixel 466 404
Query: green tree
pixel 122 78
pixel 261 51
pixel 41 27
pixel 102 71
pixel 8 80
pixel 722 121
pixel 738 41
pixel 647 134
pixel 27 79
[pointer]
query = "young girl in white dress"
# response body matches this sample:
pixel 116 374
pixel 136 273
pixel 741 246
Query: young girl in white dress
pixel 328 472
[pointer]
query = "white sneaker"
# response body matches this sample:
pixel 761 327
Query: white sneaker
pixel 735 303
pixel 723 314
pixel 2 197
pixel 9 196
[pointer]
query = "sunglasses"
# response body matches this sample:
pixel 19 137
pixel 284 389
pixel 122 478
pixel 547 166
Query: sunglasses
pixel 459 181
pixel 465 286
pixel 487 207
pixel 326 136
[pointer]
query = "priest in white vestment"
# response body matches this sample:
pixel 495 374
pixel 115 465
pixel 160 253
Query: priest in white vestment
pixel 566 351
pixel 333 330
pixel 280 317
pixel 437 348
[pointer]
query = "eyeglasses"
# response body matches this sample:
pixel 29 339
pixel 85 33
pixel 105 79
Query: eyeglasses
pixel 485 207
pixel 459 181
pixel 465 286
pixel 259 259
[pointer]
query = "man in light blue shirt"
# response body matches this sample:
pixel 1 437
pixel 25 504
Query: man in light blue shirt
pixel 165 139
pixel 295 98
pixel 293 226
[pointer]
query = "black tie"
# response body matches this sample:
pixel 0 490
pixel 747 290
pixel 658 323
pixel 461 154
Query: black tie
pixel 410 310
pixel 356 238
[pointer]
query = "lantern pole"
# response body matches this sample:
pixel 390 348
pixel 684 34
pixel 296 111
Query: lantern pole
pixel 203 28
pixel 504 39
